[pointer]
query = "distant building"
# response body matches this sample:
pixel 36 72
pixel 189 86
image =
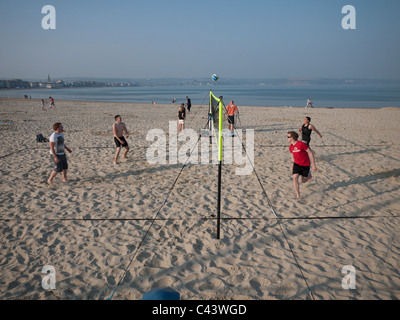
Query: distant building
pixel 36 84
pixel 50 84
pixel 3 84
pixel 14 84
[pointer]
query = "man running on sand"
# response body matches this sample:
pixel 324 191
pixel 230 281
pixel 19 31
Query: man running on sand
pixel 301 155
pixel 118 129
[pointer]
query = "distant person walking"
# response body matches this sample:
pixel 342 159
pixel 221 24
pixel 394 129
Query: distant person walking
pixel 57 153
pixel 301 155
pixel 188 103
pixel 306 129
pixel 43 109
pixel 119 129
pixel 309 103
pixel 181 117
pixel 52 102
pixel 232 110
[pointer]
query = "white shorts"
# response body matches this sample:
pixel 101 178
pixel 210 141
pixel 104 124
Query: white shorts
pixel 181 121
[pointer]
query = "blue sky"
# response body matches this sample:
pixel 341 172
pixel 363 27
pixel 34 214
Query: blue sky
pixel 196 38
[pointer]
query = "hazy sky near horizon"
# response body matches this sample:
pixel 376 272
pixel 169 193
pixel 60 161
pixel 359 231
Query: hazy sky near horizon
pixel 196 38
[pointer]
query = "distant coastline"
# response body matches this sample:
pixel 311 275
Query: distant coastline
pixel 149 82
pixel 59 84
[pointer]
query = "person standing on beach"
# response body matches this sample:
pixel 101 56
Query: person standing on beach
pixel 119 129
pixel 309 103
pixel 57 153
pixel 188 103
pixel 181 117
pixel 232 110
pixel 43 109
pixel 301 155
pixel 306 129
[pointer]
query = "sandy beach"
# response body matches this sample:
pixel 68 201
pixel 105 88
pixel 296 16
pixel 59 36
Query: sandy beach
pixel 120 231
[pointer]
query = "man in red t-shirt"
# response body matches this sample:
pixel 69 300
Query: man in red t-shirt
pixel 301 155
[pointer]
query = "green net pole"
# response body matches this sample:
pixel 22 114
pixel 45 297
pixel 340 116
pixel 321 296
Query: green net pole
pixel 221 115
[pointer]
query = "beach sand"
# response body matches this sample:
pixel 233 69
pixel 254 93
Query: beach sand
pixel 120 231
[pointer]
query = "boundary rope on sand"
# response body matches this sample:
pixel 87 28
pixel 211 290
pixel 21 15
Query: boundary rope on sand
pixel 204 218
pixel 154 219
pixel 276 217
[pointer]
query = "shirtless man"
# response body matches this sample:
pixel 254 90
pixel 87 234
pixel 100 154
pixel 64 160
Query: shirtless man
pixel 118 129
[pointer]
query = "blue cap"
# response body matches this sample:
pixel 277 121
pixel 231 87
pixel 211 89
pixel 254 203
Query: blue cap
pixel 161 294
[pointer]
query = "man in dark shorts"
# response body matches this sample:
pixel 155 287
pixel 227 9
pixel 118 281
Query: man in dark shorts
pixel 119 129
pixel 306 129
pixel 301 155
pixel 57 153
pixel 232 110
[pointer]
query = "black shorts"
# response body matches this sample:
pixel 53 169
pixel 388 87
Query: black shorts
pixel 231 119
pixel 62 163
pixel 301 170
pixel 118 144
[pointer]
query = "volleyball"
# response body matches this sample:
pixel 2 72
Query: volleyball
pixel 215 77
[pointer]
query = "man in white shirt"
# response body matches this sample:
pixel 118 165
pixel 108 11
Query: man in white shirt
pixel 57 154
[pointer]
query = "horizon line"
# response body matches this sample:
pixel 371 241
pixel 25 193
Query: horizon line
pixel 203 78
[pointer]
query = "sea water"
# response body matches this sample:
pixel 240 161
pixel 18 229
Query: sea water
pixel 327 96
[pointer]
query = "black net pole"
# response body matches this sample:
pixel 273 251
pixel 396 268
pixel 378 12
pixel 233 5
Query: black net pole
pixel 219 201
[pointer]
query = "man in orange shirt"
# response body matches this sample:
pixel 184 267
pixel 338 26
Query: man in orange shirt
pixel 232 111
